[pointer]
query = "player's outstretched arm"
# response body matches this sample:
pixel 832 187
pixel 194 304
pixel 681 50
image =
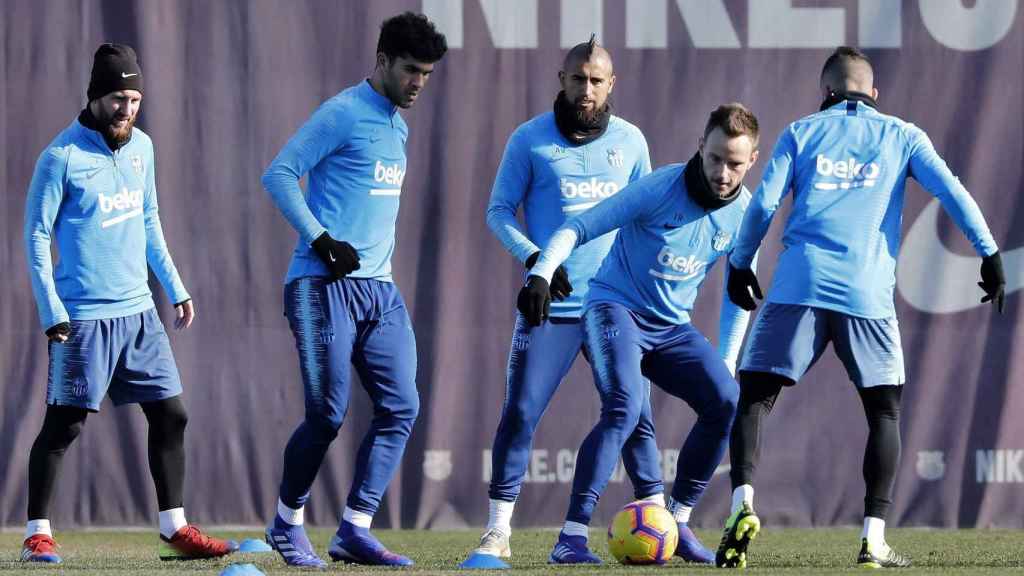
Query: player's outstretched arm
pixel 41 206
pixel 775 184
pixel 931 171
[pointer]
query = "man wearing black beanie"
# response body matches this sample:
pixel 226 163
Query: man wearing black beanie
pixel 94 193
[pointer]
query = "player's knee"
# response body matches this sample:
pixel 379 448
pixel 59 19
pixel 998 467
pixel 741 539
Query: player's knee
pixel 168 417
pixel 882 403
pixel 520 418
pixel 622 413
pixel 324 426
pixel 176 418
pixel 61 426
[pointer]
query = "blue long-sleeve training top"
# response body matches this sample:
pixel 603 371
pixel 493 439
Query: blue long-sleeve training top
pixel 353 148
pixel 661 256
pixel 553 180
pixel 101 208
pixel 847 167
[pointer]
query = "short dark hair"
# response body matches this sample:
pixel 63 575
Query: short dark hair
pixel 842 56
pixel 582 51
pixel 734 119
pixel 411 35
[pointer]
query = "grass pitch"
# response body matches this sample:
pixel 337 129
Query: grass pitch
pixel 786 551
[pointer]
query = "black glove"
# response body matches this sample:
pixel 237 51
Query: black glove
pixel 534 300
pixel 741 282
pixel 993 281
pixel 62 328
pixel 560 286
pixel 340 257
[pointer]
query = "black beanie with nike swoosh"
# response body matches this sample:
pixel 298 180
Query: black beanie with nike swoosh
pixel 114 67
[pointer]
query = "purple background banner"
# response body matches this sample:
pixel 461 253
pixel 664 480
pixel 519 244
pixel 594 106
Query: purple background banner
pixel 228 82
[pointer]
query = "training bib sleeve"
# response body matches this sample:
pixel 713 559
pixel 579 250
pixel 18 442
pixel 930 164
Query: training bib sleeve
pixel 510 186
pixel 931 171
pixel 322 134
pixel 775 184
pixel 44 197
pixel 732 323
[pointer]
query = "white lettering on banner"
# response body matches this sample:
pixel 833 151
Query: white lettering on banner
pixel 540 471
pixel 999 466
pixel 958 24
pixel 958 27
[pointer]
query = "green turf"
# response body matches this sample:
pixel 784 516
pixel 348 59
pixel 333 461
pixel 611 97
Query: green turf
pixel 821 551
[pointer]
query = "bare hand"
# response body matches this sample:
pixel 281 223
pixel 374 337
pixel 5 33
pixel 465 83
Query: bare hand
pixel 186 313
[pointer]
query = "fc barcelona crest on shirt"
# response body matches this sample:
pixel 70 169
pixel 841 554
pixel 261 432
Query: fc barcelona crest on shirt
pixel 137 164
pixel 615 157
pixel 721 241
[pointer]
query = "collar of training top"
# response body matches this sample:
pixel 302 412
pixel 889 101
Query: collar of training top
pixel 699 190
pixel 837 97
pixel 376 99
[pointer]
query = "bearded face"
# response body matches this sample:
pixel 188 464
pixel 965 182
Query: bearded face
pixel 116 114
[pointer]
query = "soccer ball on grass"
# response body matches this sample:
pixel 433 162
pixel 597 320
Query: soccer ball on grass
pixel 642 533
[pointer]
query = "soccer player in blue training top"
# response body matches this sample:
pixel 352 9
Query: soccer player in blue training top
pixel 340 300
pixel 94 190
pixel 674 224
pixel 556 165
pixel 847 166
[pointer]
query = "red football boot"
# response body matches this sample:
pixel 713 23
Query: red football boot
pixel 189 543
pixel 40 548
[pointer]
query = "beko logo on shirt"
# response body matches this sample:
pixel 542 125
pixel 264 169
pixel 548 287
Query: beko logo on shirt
pixel 686 266
pixel 388 174
pixel 391 176
pixel 130 200
pixel 592 189
pixel 854 175
pixel 122 200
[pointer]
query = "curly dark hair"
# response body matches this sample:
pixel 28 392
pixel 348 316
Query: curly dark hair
pixel 411 35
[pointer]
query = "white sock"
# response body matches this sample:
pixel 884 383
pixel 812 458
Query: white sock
pixel 874 532
pixel 41 526
pixel 499 516
pixel 292 516
pixel 742 493
pixel 681 513
pixel 658 499
pixel 360 519
pixel 576 529
pixel 171 521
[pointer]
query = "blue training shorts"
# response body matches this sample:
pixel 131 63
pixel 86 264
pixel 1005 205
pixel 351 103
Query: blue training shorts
pixel 787 339
pixel 128 357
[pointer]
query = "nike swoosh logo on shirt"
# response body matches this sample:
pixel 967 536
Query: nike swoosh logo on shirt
pixel 331 255
pixel 923 256
pixel 123 75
